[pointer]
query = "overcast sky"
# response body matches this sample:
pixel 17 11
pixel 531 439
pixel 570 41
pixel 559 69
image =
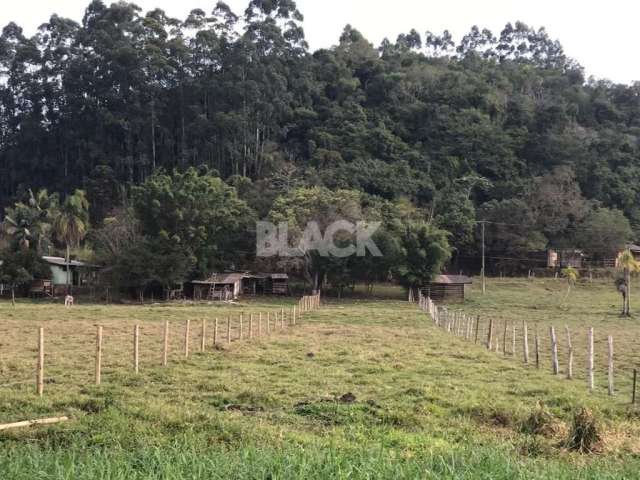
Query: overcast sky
pixel 601 35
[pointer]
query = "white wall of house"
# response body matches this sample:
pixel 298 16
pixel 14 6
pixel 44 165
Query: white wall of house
pixel 59 275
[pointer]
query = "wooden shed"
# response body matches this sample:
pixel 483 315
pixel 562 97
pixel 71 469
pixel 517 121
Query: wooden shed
pixel 229 286
pixel 277 283
pixel 448 288
pixel 219 286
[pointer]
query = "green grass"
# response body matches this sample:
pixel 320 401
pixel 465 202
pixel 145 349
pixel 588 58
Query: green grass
pixel 424 404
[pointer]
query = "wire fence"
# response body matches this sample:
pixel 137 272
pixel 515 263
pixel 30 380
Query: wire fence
pixel 119 346
pixel 576 355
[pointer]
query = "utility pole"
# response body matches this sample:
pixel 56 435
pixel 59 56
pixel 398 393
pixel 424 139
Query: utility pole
pixel 484 288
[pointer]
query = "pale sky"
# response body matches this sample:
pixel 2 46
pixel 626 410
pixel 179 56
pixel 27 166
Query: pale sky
pixel 601 35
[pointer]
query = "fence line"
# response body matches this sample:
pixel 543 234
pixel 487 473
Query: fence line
pixel 445 319
pixel 287 318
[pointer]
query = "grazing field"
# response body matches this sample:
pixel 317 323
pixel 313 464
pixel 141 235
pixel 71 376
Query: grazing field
pixel 359 389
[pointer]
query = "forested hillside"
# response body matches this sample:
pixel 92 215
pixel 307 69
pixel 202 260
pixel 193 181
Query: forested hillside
pixel 496 126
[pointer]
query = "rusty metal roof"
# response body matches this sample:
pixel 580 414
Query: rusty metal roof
pixel 451 279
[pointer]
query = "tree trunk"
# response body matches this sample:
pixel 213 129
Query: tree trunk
pixel 153 135
pixel 68 271
pixel 627 298
pixel 13 295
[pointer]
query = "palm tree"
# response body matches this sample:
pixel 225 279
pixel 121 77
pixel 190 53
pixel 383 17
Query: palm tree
pixel 28 224
pixel 571 274
pixel 628 263
pixel 18 229
pixel 72 223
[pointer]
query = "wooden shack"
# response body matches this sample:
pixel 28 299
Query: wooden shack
pixel 447 288
pixel 219 286
pixel 565 258
pixel 277 284
pixel 229 286
pixel 253 284
pixel 41 288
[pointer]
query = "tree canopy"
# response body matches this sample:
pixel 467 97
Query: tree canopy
pixel 203 124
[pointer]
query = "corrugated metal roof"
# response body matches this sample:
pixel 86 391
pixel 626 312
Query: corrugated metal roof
pixel 221 278
pixel 235 277
pixel 63 263
pixel 278 276
pixel 452 279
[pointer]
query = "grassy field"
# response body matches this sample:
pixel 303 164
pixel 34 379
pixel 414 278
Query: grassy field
pixel 362 388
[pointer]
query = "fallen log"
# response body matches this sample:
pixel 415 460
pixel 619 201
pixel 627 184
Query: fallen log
pixel 29 423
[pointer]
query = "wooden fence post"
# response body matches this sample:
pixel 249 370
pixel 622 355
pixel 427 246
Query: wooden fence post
pixel 294 315
pixel 570 360
pixel 504 339
pixel 203 343
pixel 554 350
pixel 186 338
pixel 215 331
pixel 251 325
pixel 610 369
pixel 40 363
pixel 281 317
pixel 268 323
pixel 165 349
pixel 228 330
pixel 240 334
pixel 490 334
pixel 590 359
pixel 260 324
pixel 136 348
pixel 98 355
pixel 525 342
pixel 513 339
pixel 477 328
pixel 633 392
pixel 537 348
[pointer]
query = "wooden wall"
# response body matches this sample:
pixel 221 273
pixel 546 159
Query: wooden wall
pixel 445 292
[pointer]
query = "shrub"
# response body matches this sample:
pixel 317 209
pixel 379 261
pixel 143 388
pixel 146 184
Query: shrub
pixel 540 422
pixel 584 436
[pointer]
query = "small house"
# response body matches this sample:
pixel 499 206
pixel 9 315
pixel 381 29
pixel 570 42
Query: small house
pixel 448 288
pixel 75 274
pixel 565 258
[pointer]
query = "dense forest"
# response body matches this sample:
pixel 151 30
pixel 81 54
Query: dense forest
pixel 499 127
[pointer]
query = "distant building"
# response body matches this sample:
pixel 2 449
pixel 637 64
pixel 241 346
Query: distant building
pixel 219 286
pixel 635 251
pixel 229 286
pixel 565 258
pixel 448 288
pixel 80 274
